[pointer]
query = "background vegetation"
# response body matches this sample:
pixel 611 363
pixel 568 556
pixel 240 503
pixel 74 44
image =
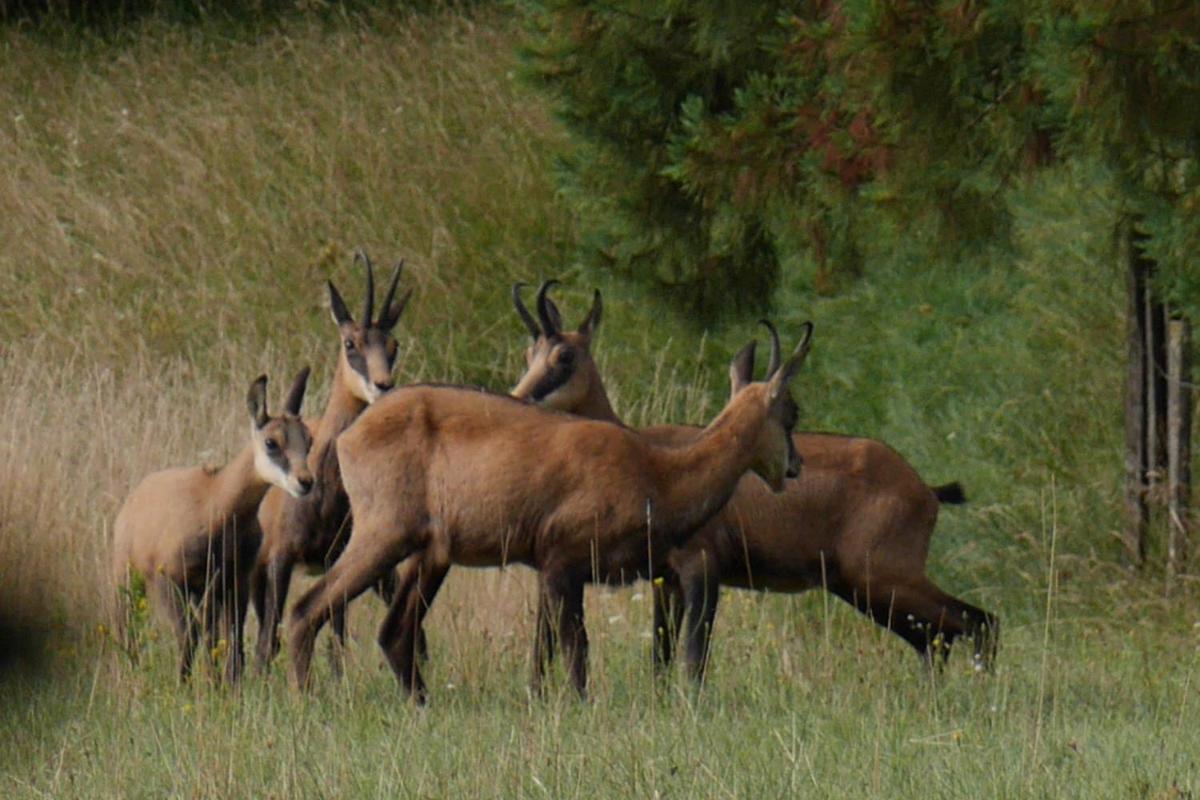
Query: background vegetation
pixel 172 198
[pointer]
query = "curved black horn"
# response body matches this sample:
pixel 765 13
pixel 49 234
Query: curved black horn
pixel 776 357
pixel 544 312
pixel 369 305
pixel 523 312
pixel 385 314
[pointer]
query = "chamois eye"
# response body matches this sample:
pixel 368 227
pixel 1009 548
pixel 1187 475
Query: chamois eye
pixel 566 356
pixel 350 345
pixel 272 446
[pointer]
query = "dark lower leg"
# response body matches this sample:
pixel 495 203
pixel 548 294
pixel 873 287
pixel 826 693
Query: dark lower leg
pixel 401 633
pixel 700 596
pixel 668 614
pixel 277 578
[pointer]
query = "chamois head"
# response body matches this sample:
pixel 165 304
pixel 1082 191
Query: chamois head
pixel 368 350
pixel 281 443
pixel 559 368
pixel 775 452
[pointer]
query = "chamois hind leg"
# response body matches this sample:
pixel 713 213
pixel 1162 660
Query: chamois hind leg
pixel 668 616
pixel 930 620
pixel 273 581
pixel 565 600
pixel 401 634
pixel 362 563
pixel 545 638
pixel 177 608
pixel 236 607
pixel 701 592
pixel 400 581
pixel 337 642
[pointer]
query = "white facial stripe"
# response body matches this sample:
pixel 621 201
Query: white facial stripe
pixel 270 472
pixel 367 391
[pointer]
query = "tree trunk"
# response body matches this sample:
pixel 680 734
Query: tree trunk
pixel 1136 406
pixel 1179 441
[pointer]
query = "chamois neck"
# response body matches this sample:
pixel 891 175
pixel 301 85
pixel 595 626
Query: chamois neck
pixel 341 410
pixel 237 487
pixel 595 403
pixel 696 480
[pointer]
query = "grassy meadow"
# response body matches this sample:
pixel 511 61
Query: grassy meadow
pixel 172 199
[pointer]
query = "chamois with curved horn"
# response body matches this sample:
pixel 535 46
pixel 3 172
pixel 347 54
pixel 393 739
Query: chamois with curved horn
pixel 191 533
pixel 456 475
pixel 312 531
pixel 858 522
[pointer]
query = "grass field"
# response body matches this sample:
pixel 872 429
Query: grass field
pixel 171 202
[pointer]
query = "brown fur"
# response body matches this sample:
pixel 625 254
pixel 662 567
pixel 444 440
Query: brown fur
pixel 451 475
pixel 312 531
pixel 857 522
pixel 191 533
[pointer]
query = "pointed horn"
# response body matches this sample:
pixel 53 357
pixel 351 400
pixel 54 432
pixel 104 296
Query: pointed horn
pixel 798 356
pixel 295 397
pixel 386 314
pixel 530 324
pixel 369 306
pixel 544 312
pixel 776 357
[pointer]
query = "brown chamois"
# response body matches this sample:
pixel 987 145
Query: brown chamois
pixel 312 530
pixel 191 534
pixel 857 522
pixel 450 475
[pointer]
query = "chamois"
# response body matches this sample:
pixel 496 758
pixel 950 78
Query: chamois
pixel 312 530
pixel 455 475
pixel 191 534
pixel 858 522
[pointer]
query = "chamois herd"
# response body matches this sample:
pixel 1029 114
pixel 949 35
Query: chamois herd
pixel 390 486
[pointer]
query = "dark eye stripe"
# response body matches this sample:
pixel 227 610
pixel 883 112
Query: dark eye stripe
pixel 552 381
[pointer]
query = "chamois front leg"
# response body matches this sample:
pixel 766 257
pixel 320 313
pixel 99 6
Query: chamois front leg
pixel 366 557
pixel 275 579
pixel 402 633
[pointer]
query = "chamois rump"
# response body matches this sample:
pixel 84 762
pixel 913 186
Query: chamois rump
pixel 857 522
pixel 191 534
pixel 453 475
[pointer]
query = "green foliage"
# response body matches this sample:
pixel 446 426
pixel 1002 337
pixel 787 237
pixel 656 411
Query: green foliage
pixel 712 146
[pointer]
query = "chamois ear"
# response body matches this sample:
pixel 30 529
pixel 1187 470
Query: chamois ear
pixel 296 396
pixel 792 365
pixel 741 369
pixel 592 320
pixel 337 306
pixel 256 401
pixel 773 361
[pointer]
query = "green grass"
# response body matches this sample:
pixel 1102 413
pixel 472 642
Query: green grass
pixel 171 203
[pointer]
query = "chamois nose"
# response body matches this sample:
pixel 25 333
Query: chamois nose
pixel 306 485
pixel 793 470
pixel 383 386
